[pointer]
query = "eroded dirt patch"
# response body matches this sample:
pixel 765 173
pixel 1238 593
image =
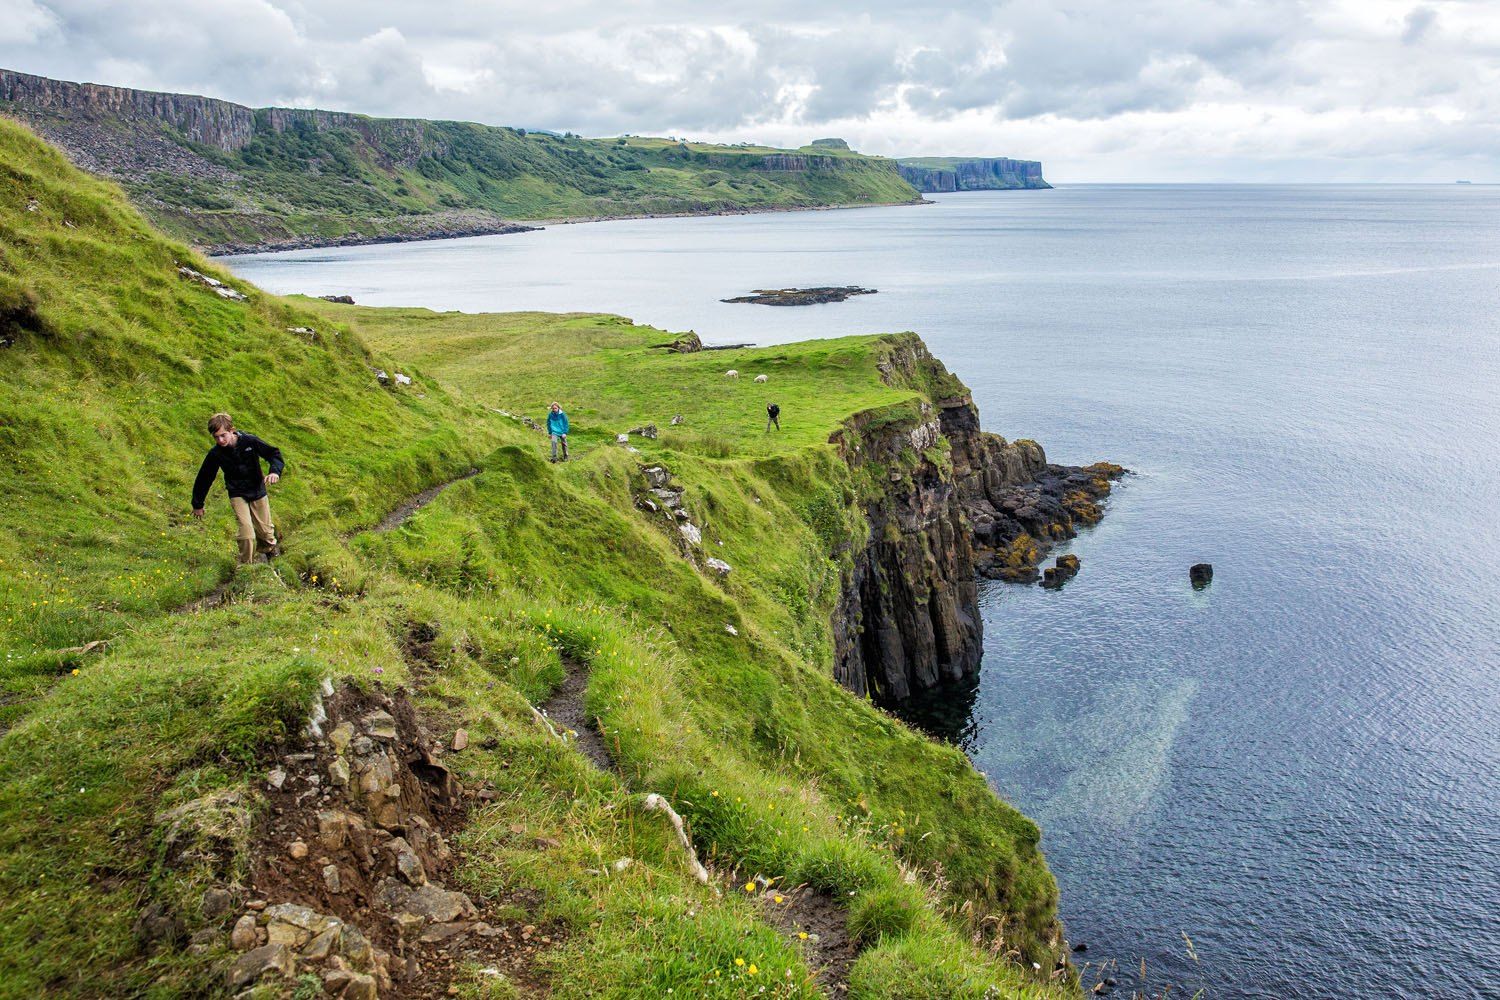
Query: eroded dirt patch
pixel 353 867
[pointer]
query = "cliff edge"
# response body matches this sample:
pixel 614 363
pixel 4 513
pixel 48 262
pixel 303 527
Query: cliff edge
pixel 932 174
pixel 229 178
pixel 946 503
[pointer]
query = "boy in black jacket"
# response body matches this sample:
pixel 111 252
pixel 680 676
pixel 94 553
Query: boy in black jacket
pixel 238 455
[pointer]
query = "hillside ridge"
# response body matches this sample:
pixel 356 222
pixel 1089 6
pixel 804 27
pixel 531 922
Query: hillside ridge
pixel 161 831
pixel 230 178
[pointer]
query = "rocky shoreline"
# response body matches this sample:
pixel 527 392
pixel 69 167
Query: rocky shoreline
pixel 498 227
pixel 969 504
pixel 503 227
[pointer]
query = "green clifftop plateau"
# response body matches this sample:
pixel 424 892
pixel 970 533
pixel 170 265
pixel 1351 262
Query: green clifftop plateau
pixel 227 177
pixel 491 727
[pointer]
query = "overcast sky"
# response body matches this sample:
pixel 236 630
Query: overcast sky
pixel 1099 90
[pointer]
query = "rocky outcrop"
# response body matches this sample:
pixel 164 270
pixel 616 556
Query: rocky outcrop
pixel 202 120
pixel 795 162
pixel 953 173
pixel 908 614
pixel 349 855
pixel 801 296
pixel 946 502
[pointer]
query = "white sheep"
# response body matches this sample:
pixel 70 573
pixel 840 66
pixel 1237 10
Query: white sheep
pixel 761 378
pixel 731 373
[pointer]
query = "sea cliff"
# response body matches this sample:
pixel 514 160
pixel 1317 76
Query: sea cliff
pixel 931 174
pixel 946 503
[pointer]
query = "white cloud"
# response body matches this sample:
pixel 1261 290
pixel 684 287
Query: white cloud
pixel 24 22
pixel 1097 89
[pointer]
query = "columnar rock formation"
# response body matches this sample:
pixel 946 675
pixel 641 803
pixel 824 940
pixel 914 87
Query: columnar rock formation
pixel 954 173
pixel 956 503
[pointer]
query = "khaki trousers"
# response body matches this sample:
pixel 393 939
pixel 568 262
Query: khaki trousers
pixel 255 522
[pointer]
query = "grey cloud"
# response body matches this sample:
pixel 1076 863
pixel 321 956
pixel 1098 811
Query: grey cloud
pixel 1140 73
pixel 1418 21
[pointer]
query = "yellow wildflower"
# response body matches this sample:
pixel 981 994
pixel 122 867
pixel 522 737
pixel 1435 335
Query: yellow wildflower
pixel 779 898
pixel 749 886
pixel 802 935
pixel 739 961
pixel 752 970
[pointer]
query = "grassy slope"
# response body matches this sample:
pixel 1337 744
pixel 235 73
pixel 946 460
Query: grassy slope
pixel 328 184
pixel 780 772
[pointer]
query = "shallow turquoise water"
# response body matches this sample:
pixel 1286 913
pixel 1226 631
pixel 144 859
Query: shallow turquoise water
pixel 1295 769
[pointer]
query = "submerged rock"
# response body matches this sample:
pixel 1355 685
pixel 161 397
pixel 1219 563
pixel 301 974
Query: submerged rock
pixel 1201 574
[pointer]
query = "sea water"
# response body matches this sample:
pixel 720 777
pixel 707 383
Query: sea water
pixel 1286 784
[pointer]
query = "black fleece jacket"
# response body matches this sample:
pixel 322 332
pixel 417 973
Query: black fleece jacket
pixel 241 466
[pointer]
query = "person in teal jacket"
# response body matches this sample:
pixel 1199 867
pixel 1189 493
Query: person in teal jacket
pixel 557 428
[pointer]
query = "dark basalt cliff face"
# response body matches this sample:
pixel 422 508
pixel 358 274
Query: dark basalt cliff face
pixel 935 174
pixel 956 503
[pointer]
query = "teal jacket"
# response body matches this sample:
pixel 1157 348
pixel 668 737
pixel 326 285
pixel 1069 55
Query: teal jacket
pixel 557 423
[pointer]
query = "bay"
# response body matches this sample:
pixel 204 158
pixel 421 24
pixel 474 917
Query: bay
pixel 1285 784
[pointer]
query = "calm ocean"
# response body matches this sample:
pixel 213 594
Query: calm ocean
pixel 1286 785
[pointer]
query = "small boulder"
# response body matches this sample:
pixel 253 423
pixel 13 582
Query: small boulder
pixel 253 964
pixel 297 849
pixel 380 724
pixel 243 937
pixel 217 903
pixel 460 739
pixel 361 987
pixel 719 566
pixel 341 735
pixel 1201 574
pixel 691 533
pixel 275 779
pixel 676 419
pixel 648 431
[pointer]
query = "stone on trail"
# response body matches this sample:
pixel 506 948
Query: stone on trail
pixel 249 967
pixel 460 739
pixel 243 937
pixel 380 724
pixel 217 902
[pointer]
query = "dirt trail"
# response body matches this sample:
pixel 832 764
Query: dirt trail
pixel 565 710
pixel 827 948
pixel 403 513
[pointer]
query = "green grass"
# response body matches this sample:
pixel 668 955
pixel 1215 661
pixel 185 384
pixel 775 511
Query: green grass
pixel 115 364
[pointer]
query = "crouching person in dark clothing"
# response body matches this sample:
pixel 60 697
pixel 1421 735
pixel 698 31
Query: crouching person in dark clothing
pixel 238 454
pixel 773 417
